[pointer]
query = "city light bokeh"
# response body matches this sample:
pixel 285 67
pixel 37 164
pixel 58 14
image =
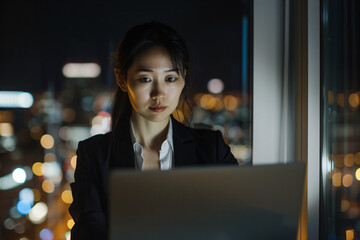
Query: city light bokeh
pixel 58 87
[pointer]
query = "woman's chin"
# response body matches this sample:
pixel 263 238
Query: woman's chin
pixel 156 116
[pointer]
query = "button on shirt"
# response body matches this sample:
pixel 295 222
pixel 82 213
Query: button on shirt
pixel 166 154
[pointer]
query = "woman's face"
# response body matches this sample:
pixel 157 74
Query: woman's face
pixel 153 85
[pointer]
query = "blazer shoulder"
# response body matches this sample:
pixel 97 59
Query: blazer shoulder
pixel 208 138
pixel 98 138
pixel 97 141
pixel 93 152
pixel 204 133
pixel 186 133
pixel 211 146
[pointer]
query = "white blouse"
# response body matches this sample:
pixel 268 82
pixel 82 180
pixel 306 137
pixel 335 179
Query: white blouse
pixel 166 154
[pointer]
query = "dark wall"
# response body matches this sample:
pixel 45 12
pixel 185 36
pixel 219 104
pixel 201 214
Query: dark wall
pixel 38 37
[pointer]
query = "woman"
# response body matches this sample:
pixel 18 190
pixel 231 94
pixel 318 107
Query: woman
pixel 151 71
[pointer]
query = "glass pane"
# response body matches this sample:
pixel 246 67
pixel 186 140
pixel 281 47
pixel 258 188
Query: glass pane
pixel 55 109
pixel 340 164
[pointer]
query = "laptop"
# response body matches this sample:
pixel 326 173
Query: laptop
pixel 215 203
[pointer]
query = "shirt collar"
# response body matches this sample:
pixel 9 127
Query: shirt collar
pixel 169 137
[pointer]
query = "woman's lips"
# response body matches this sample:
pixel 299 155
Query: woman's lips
pixel 157 108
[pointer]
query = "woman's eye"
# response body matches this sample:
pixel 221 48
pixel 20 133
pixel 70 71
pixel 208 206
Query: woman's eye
pixel 171 79
pixel 144 79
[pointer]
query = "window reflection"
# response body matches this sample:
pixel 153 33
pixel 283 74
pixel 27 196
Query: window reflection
pixel 340 213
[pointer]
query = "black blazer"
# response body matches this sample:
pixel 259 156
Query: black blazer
pixel 97 155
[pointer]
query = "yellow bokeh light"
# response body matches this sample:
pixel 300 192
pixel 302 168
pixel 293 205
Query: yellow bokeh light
pixel 230 102
pixel 354 100
pixel 350 234
pixel 357 174
pixel 36 168
pixel 331 97
pixel 349 160
pixel 357 158
pixel 204 101
pixel 178 115
pixel 336 179
pixel 6 129
pixel 211 103
pixel 208 102
pixel 37 194
pixel 70 223
pixel 50 157
pixel 48 186
pixel 47 141
pixel 218 105
pixel 347 180
pixel 340 99
pixel 73 161
pixel 66 196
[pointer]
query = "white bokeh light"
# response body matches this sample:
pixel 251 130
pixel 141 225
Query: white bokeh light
pixel 27 195
pixel 38 213
pixel 81 70
pixel 215 86
pixel 19 175
pixel 9 143
pixel 52 171
pixel 25 100
pixel 100 125
pixel 16 99
pixel 7 182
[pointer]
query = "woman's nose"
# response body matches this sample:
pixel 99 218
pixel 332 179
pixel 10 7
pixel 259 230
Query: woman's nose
pixel 158 90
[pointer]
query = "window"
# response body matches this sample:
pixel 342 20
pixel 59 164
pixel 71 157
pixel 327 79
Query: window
pixel 340 94
pixel 57 56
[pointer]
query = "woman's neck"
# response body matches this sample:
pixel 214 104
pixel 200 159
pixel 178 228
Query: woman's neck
pixel 149 134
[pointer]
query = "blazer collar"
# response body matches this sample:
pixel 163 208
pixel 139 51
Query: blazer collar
pixel 122 152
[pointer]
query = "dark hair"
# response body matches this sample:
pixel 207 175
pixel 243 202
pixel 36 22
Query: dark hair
pixel 137 40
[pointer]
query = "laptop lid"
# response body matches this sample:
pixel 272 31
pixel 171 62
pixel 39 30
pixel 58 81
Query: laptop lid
pixel 252 202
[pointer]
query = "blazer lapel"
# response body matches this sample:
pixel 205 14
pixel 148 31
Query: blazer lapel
pixel 122 152
pixel 184 145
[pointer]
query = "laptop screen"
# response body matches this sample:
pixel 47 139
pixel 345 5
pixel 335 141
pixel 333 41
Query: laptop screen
pixel 251 202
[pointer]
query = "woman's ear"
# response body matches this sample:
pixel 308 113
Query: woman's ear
pixel 120 79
